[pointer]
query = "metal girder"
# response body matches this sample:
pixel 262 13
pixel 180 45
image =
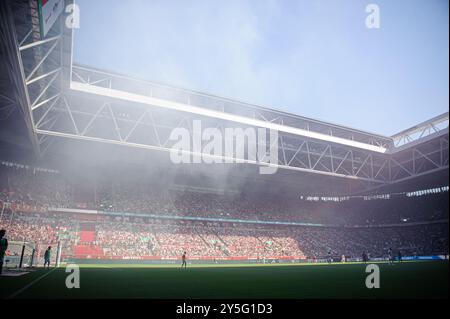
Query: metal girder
pixel 120 87
pixel 14 65
pixel 37 43
pixel 89 118
pixel 35 64
pixel 108 108
pixel 420 131
pixel 296 152
pixel 219 115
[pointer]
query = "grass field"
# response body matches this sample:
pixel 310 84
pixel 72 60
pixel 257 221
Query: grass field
pixel 407 280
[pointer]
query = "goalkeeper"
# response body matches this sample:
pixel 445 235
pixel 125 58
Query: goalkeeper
pixel 47 256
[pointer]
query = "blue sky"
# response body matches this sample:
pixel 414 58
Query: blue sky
pixel 315 58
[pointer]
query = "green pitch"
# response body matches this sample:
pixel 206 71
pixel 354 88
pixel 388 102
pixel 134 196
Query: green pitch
pixel 406 280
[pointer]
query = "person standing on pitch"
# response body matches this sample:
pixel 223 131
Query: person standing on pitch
pixel 329 259
pixel 3 247
pixel 365 257
pixel 47 256
pixel 183 258
pixel 399 256
pixel 390 256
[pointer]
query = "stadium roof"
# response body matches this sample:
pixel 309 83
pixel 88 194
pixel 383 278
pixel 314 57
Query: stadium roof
pixel 54 99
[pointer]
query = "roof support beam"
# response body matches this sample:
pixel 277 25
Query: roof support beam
pixel 146 100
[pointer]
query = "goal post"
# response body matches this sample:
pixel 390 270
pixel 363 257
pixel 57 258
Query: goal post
pixel 19 255
pixel 58 254
pixel 55 255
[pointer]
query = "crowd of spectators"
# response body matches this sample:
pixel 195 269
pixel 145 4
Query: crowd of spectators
pixel 41 191
pixel 40 230
pixel 27 198
pixel 156 238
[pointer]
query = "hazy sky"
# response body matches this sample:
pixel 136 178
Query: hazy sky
pixel 315 58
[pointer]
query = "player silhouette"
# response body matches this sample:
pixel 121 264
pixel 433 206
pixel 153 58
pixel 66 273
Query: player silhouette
pixel 183 258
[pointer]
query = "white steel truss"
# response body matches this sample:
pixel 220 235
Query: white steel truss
pixel 123 123
pixel 431 128
pixel 34 66
pixel 93 105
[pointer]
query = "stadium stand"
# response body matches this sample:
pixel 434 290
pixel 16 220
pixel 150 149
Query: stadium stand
pixel 140 223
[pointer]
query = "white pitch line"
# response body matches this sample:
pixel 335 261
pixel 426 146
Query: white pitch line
pixel 30 284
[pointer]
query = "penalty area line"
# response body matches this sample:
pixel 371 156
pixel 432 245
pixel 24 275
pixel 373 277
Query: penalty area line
pixel 30 284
